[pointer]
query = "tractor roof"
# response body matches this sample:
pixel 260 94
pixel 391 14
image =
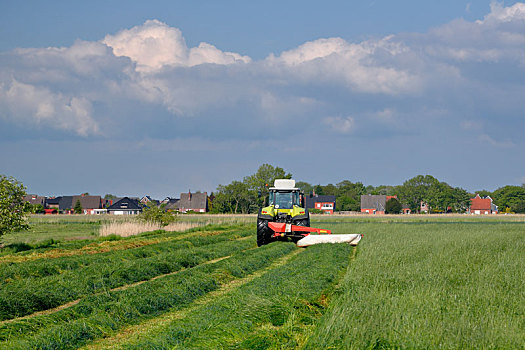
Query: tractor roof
pixel 284 184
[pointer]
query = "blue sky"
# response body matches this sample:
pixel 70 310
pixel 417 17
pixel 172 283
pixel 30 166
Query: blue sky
pixel 133 99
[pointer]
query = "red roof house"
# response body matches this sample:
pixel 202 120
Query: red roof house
pixel 482 206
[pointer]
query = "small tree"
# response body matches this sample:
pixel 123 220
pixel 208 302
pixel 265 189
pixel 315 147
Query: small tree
pixel 393 206
pixel 13 209
pixel 156 215
pixel 78 207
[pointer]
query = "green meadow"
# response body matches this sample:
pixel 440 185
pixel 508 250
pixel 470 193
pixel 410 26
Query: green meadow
pixel 417 282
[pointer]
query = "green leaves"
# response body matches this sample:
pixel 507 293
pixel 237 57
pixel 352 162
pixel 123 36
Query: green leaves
pixel 13 209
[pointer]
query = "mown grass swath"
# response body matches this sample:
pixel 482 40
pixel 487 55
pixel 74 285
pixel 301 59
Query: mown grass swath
pixel 27 295
pixel 20 248
pixel 439 285
pixel 272 311
pixel 100 315
pixel 48 267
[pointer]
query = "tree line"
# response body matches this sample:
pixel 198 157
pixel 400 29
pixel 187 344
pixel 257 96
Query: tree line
pixel 248 195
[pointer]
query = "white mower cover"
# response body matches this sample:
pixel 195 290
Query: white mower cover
pixel 309 240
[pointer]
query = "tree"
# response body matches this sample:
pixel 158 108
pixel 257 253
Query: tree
pixel 393 206
pixel 156 215
pixel 235 198
pixel 509 196
pixel 417 190
pixel 78 207
pixel 259 182
pixel 305 187
pixel 13 209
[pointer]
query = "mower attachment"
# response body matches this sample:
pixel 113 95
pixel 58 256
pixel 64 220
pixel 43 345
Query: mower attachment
pixel 280 227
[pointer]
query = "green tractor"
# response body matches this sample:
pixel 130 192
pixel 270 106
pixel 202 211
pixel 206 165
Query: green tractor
pixel 285 206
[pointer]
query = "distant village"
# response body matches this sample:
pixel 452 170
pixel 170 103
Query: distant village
pixel 200 202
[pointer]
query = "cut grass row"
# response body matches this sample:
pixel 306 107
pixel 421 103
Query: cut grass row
pixel 134 249
pixel 453 286
pixel 276 310
pixel 19 252
pixel 100 315
pixel 29 295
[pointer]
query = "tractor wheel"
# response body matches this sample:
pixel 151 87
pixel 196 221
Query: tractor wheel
pixel 264 234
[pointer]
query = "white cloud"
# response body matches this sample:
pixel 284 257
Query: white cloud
pixel 155 45
pixel 341 125
pixel 500 14
pixel 361 66
pixel 147 74
pixel 30 104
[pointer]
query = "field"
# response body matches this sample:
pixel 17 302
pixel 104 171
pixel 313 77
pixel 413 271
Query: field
pixel 413 282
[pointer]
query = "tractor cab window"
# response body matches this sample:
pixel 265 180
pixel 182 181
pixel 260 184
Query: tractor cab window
pixel 285 199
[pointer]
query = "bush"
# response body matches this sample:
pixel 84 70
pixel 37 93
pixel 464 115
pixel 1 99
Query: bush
pixel 157 215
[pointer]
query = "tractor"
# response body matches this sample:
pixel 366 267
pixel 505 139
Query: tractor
pixel 286 207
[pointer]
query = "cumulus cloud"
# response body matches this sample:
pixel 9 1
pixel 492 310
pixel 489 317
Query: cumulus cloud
pixel 30 104
pixel 499 13
pixel 155 45
pixel 364 67
pixel 147 80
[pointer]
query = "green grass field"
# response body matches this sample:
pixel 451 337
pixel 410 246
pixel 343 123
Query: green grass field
pixel 418 282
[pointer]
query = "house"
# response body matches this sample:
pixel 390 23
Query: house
pixel 172 204
pixel 90 204
pixel 325 203
pixel 406 209
pixel 482 206
pixel 424 207
pixel 61 203
pixel 148 201
pixel 373 204
pixel 35 199
pixel 125 206
pixel 197 202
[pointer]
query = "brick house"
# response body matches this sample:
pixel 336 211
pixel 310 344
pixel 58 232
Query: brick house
pixel 196 202
pixel 482 206
pixel 325 203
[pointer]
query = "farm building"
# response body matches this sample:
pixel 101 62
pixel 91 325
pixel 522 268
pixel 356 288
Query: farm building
pixel 326 203
pixel 197 202
pixel 482 206
pixel 125 206
pixel 375 204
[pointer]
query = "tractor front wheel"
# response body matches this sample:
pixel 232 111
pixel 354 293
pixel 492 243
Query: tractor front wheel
pixel 264 233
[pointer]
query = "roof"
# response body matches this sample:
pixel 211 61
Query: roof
pixel 172 204
pixel 125 203
pixel 35 199
pixel 87 202
pixel 311 200
pixel 478 203
pixel 373 201
pixel 189 201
